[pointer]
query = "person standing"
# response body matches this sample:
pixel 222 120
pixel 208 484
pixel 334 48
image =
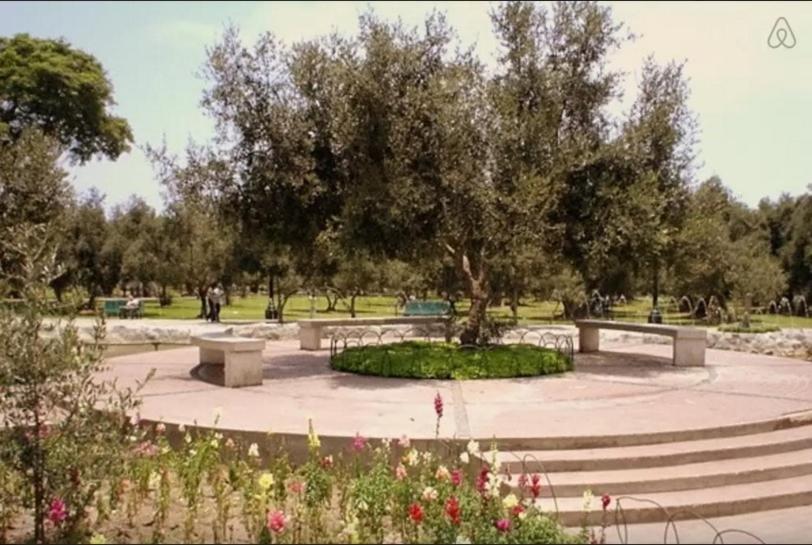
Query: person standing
pixel 216 295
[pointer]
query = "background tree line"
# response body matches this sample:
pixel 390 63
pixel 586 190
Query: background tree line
pixel 395 161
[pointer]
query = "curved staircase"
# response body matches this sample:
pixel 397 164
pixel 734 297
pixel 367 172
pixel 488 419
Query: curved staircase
pixel 680 475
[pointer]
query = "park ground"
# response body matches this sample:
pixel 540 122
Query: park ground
pixel 252 307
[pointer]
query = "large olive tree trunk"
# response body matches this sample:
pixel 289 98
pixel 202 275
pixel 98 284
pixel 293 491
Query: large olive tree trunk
pixel 475 276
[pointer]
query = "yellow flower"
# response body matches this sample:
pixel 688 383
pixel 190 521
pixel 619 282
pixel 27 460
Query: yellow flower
pixel 312 438
pixel 98 539
pixel 510 501
pixel 266 481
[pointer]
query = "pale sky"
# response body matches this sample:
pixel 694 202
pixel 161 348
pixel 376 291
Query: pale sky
pixel 754 103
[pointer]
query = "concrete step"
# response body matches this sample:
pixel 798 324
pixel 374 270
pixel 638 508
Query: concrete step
pixel 638 481
pixel 720 501
pixel 658 455
pixel 791 525
pixel 799 419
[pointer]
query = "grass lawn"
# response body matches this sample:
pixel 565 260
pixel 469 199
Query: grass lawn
pixel 253 306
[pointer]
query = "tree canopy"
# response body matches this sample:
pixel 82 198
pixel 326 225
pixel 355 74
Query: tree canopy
pixel 62 91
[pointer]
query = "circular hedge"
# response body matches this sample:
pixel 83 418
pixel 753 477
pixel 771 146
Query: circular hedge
pixel 439 360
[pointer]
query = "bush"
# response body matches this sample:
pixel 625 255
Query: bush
pixel 438 360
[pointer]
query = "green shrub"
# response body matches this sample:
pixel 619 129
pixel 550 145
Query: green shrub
pixel 439 360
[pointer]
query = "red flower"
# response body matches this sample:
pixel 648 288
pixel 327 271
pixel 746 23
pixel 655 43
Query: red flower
pixel 416 513
pixel 57 512
pixel 296 487
pixel 456 477
pixel 605 501
pixel 452 510
pixel 482 479
pixel 503 525
pixel 518 510
pixel 359 443
pixel 327 462
pixel 535 486
pixel 277 522
pixel 438 405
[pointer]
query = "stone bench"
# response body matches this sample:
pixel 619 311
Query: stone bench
pixel 241 358
pixel 311 331
pixel 689 342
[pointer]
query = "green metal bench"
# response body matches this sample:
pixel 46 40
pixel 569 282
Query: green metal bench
pixel 426 308
pixel 112 307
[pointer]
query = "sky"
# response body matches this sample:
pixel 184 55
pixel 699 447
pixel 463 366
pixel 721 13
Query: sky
pixel 753 102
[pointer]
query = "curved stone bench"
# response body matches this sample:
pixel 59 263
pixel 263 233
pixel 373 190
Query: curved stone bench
pixel 689 342
pixel 241 358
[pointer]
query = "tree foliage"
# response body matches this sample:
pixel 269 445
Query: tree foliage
pixel 62 91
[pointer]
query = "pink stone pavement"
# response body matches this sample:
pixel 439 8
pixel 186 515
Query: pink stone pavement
pixel 625 390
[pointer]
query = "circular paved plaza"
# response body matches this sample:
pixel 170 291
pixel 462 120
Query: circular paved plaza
pixel 623 390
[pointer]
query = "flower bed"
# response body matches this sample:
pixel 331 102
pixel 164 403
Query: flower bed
pixel 438 360
pixel 214 489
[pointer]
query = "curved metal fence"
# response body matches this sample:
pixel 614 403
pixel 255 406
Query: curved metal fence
pixel 344 338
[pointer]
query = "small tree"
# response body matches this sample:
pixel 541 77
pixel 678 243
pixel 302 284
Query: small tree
pixel 64 428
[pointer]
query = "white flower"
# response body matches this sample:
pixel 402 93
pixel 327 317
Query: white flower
pixel 462 540
pixel 464 458
pixel 160 428
pixel 187 438
pixel 154 480
pixel 412 457
pixel 182 428
pixel 429 494
pixel 362 506
pixel 427 456
pixel 253 450
pixel 588 497
pixel 214 442
pixel 473 447
pixel 404 442
pixel 510 501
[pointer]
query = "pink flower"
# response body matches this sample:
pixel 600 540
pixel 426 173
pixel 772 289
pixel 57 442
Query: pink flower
pixel 146 449
pixel 524 480
pixel 404 442
pixel 503 525
pixel 400 472
pixel 277 522
pixel 416 513
pixel 438 405
pixel 160 428
pixel 456 477
pixel 606 499
pixel 57 512
pixel 518 510
pixel 327 462
pixel 296 487
pixel 359 443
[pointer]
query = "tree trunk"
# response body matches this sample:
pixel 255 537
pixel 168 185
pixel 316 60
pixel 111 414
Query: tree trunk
pixel 655 289
pixel 478 290
pixel 514 304
pixel 352 305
